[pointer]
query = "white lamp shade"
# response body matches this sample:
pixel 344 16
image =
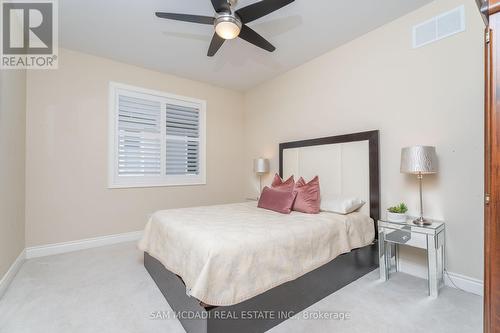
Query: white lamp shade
pixel 419 160
pixel 261 165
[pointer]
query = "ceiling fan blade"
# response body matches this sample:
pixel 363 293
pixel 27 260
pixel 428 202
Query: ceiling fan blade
pixel 221 6
pixel 215 45
pixel 252 37
pixel 187 18
pixel 262 8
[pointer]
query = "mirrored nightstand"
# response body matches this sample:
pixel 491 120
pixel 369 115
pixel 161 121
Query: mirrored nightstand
pixel 430 238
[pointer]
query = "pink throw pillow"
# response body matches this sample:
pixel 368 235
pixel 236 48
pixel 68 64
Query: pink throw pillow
pixel 308 198
pixel 279 184
pixel 277 200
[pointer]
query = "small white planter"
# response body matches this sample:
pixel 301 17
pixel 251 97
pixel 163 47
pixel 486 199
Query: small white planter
pixel 395 217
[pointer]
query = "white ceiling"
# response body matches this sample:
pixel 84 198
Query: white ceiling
pixel 128 31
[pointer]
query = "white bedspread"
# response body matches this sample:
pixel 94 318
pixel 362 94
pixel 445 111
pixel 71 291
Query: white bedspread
pixel 229 253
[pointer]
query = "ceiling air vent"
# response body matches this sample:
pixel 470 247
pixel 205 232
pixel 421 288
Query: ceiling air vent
pixel 439 27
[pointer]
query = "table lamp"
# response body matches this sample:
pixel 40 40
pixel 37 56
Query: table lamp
pixel 261 167
pixel 419 160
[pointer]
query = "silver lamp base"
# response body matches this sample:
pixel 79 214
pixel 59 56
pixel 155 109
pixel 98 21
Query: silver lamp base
pixel 421 221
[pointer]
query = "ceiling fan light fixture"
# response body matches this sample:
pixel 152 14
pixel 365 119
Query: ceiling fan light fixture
pixel 227 26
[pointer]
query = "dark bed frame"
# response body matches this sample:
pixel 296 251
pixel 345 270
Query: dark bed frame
pixel 276 305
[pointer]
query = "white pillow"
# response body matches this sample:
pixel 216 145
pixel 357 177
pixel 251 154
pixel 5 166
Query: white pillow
pixel 341 205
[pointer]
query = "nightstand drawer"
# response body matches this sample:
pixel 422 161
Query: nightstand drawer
pixel 405 237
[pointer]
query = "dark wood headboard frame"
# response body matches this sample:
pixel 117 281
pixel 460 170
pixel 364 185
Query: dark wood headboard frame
pixel 373 141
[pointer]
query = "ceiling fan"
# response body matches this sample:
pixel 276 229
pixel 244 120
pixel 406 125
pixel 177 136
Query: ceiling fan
pixel 230 23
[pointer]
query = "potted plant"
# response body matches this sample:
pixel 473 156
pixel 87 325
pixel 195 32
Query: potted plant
pixel 397 213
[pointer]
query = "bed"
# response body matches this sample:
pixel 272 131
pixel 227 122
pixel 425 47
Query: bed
pixel 237 267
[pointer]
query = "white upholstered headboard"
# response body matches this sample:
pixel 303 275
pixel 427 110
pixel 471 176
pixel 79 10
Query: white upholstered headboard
pixel 343 168
pixel 347 166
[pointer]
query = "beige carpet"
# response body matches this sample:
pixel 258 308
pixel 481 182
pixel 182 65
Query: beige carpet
pixel 108 290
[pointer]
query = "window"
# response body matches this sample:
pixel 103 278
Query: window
pixel 156 139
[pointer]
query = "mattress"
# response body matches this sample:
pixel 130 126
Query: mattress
pixel 227 254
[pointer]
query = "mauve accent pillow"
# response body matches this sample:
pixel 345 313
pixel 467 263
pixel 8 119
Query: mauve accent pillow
pixel 279 184
pixel 277 200
pixel 308 199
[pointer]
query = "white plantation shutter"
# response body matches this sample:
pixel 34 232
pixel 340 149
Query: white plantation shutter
pixel 183 135
pixel 139 137
pixel 157 139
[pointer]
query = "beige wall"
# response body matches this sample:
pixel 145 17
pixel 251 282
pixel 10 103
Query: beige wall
pixel 432 95
pixel 66 168
pixel 12 162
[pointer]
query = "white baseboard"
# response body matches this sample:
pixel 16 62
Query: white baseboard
pixel 466 283
pixel 454 280
pixel 51 249
pixel 11 273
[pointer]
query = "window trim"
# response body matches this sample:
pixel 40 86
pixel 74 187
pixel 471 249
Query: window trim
pixel 116 181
